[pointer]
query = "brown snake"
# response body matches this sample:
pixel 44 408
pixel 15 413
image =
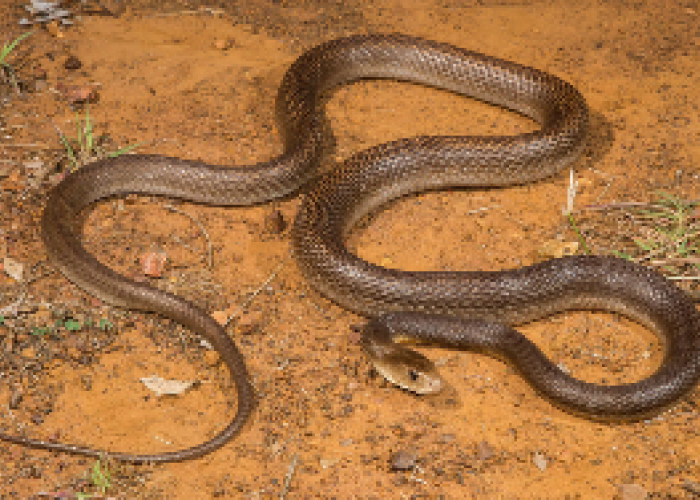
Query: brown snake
pixel 364 182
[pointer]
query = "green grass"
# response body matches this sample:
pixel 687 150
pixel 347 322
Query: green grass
pixel 86 147
pixel 70 325
pixel 7 48
pixel 101 480
pixel 578 233
pixel 666 233
pixel 673 234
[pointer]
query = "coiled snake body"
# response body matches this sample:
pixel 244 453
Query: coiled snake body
pixel 408 301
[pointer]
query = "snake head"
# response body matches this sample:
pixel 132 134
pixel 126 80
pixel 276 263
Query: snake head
pixel 404 367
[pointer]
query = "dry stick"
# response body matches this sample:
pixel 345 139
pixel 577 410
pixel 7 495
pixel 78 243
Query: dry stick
pixel 288 478
pixel 247 302
pixel 40 146
pixel 571 193
pixel 627 204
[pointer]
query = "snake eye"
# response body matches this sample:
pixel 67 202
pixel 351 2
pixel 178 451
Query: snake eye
pixel 414 375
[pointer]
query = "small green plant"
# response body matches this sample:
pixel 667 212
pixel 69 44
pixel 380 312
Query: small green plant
pixel 40 332
pixel 100 477
pixel 86 147
pixel 101 480
pixel 578 233
pixel 669 229
pixel 70 325
pixel 105 324
pixel 7 48
pixel 672 235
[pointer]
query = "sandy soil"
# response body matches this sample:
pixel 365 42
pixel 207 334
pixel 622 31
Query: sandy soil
pixel 198 82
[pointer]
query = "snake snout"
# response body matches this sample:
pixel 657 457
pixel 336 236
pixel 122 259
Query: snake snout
pixel 404 367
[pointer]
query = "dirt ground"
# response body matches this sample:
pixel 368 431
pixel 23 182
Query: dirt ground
pixel 198 81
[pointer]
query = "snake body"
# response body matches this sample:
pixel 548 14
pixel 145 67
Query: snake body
pixel 368 180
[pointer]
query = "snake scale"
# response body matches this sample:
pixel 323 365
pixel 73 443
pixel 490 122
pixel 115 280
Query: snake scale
pixel 458 309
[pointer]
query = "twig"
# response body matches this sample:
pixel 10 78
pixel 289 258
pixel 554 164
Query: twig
pixel 628 204
pixel 202 10
pixel 571 194
pixel 288 478
pixel 256 292
pixel 29 145
pixel 580 236
pixel 675 260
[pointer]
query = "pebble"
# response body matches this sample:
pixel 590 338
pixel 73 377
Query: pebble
pixel 403 460
pixel 16 399
pixel 540 461
pixel 72 63
pixel 484 450
pixel 632 492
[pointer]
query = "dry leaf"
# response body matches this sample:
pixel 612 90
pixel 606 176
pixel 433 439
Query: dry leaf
pixel 540 461
pixel 162 386
pixel 221 317
pixel 13 268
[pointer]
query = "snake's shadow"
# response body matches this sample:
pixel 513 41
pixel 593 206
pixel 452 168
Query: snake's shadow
pixel 601 137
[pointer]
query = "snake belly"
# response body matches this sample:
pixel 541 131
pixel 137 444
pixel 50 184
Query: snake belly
pixel 378 175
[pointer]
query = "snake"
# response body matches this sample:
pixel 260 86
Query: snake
pixel 472 309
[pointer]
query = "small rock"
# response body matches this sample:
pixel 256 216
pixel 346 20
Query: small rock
pixel 540 461
pixel 328 462
pixel 223 43
pixel 13 268
pixel 555 249
pixel 152 263
pixel 691 486
pixel 632 492
pixel 484 450
pixel 220 317
pixel 16 399
pixel 77 93
pixel 72 63
pixel 403 460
